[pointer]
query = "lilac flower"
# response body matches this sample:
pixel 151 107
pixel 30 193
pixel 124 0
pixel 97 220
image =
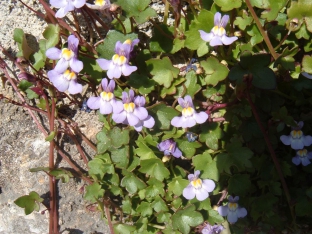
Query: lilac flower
pixel 66 6
pixel 215 229
pixel 232 210
pixel 67 56
pixel 65 81
pixel 106 101
pixel 169 148
pixel 307 75
pixel 198 187
pixel 99 4
pixel 149 121
pixel 120 61
pixel 217 35
pixel 189 117
pixel 296 139
pixel 129 111
pixel 303 157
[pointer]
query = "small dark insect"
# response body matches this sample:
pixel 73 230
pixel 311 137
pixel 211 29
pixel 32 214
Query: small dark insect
pixel 85 106
pixel 191 137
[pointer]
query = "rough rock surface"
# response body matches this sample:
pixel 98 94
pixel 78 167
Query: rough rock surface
pixel 22 146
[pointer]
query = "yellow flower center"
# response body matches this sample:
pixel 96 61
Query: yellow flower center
pixel 120 60
pixel 232 206
pixel 99 2
pixel 129 107
pixel 187 112
pixel 197 183
pixel 69 75
pixel 128 41
pixel 67 54
pixel 219 31
pixel 107 96
pixel 302 153
pixel 296 134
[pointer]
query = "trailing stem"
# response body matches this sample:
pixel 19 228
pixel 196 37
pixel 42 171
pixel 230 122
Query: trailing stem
pixel 273 155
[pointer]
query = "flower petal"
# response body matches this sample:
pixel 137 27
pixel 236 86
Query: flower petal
pixel 177 121
pixel 228 40
pixel 307 140
pixel 217 18
pixel 104 63
pixel 305 161
pixel 140 112
pixel 79 3
pixel 200 117
pixel 61 66
pixel 208 185
pixel 54 53
pixel 149 122
pixel 285 139
pixel 94 103
pixel 296 160
pixel 74 87
pixel 127 70
pixel 223 210
pixel 189 192
pixel 215 41
pixel 58 81
pixel 114 72
pixel 132 119
pixel 58 3
pixel 105 108
pixel 118 107
pixel 120 117
pixel 232 217
pixel 206 36
pixel 76 65
pixel 224 21
pixel 61 13
pixel 296 144
pixel 201 194
pixel 307 75
pixel 177 153
pixel 241 212
pixel 188 122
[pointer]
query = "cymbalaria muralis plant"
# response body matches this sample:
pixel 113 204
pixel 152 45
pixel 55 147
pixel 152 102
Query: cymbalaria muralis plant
pixel 214 93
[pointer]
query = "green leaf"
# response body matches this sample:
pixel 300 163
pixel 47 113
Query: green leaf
pixel 29 202
pixel 177 185
pixel 145 209
pixel 51 136
pixel 162 70
pixel 138 9
pixel 191 84
pixel 302 11
pixel 144 150
pixel 24 49
pixel 62 174
pixel 38 60
pixel 303 208
pixel 24 85
pixel 155 188
pixel 307 64
pixel 121 157
pixel 211 133
pixel 162 39
pixel 154 167
pixel 163 217
pixel 124 228
pixel 227 5
pixel 119 137
pixel 159 205
pixel 52 34
pixel 107 49
pixel 193 40
pixel 142 83
pixel 256 65
pixel 131 182
pixel 214 217
pixel 273 9
pixel 215 71
pixel 255 34
pixel 163 115
pixel 243 22
pixel 239 184
pixel 206 165
pixel 98 167
pixel 92 68
pixel 104 142
pixel 188 148
pixel 93 192
pixel 184 219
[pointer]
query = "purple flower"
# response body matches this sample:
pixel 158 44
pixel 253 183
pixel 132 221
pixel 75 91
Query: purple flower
pixel 232 210
pixel 307 75
pixel 217 35
pixel 129 111
pixel 189 117
pixel 198 187
pixel 67 56
pixel 120 61
pixel 169 148
pixel 215 229
pixel 65 81
pixel 106 101
pixel 66 6
pixel 149 121
pixel 303 157
pixel 296 139
pixel 99 4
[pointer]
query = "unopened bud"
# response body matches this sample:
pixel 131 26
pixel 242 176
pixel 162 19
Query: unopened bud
pixel 26 76
pixel 113 7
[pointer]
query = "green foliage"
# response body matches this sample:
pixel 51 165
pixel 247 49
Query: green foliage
pixel 29 202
